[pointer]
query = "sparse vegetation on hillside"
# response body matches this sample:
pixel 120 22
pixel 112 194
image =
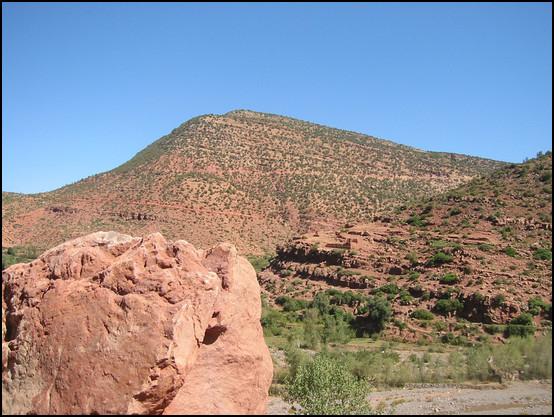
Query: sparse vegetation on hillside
pixel 251 178
pixel 452 267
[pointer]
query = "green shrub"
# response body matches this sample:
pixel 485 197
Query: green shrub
pixel 333 291
pixel 391 288
pixel 294 304
pixel 413 276
pixel 493 328
pixel 282 299
pixel 449 279
pixel 446 306
pixel 519 330
pixel 543 307
pixel 405 298
pixel 314 249
pixel 296 358
pixel 455 210
pixel 498 300
pixel 485 247
pixel 543 254
pixel 347 272
pixel 477 363
pixel 324 386
pixel 399 323
pixel 477 296
pixel 416 291
pixel 413 258
pixel 423 314
pixel 260 262
pixel 508 250
pixel 449 292
pixel 535 311
pixel 440 258
pixel 525 319
pixel 321 302
pixel 415 221
pixel 537 352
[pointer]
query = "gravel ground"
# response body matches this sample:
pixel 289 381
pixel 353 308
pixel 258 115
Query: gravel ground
pixel 511 398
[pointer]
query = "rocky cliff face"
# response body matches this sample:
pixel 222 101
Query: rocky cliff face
pixel 114 324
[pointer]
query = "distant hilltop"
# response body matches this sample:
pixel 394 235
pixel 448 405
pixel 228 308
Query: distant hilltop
pixel 251 178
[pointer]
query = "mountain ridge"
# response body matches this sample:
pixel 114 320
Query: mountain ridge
pixel 247 177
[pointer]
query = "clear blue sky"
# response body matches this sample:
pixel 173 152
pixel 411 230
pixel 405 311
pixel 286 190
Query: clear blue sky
pixel 85 86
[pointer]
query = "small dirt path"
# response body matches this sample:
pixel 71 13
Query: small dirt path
pixel 512 398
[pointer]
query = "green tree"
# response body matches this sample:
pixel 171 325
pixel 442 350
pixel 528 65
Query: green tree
pixel 325 386
pixel 312 332
pixel 273 321
pixel 380 312
pixel 336 329
pixel 321 302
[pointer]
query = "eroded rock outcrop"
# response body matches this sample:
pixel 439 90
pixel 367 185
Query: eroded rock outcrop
pixel 114 324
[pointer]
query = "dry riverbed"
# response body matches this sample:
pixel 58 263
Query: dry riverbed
pixel 510 398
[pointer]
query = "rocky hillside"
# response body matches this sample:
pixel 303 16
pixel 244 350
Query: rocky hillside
pixel 481 253
pixel 251 178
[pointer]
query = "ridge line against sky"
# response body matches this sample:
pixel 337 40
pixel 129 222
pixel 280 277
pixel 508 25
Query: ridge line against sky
pixel 86 86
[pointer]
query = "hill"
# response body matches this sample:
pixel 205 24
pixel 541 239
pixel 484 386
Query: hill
pixel 250 178
pixel 464 263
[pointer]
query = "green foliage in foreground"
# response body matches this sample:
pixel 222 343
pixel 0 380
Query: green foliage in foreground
pixel 526 358
pixel 325 386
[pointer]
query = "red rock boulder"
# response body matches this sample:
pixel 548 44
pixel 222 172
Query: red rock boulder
pixel 114 324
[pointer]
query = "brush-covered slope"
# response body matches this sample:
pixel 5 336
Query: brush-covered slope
pixel 481 252
pixel 250 178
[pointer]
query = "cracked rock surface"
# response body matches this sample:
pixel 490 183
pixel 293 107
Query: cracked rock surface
pixel 114 324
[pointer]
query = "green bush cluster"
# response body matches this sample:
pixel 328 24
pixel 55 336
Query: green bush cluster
pixel 348 297
pixel 440 258
pixel 423 314
pixel 519 330
pixel 391 288
pixel 542 254
pixel 327 383
pixel 508 250
pixel 449 279
pixel 324 386
pixel 448 306
pixel 538 306
pixel 291 304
